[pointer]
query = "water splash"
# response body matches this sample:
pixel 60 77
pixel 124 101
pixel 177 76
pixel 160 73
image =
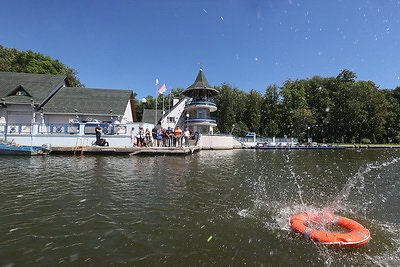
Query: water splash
pixel 298 186
pixel 343 185
pixel 358 178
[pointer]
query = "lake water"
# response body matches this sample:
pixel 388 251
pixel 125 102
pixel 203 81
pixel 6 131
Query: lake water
pixel 220 208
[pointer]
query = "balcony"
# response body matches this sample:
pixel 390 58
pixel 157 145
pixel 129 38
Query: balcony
pixel 201 103
pixel 202 121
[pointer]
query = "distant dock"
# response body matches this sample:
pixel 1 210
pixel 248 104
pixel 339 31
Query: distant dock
pixel 108 150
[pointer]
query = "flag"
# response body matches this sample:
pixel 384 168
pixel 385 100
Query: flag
pixel 156 82
pixel 162 89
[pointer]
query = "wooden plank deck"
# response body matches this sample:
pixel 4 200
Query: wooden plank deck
pixel 83 150
pixel 165 150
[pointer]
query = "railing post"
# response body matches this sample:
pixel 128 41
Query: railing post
pixel 81 129
pixel 35 129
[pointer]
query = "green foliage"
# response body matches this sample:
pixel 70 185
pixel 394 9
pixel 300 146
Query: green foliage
pixel 346 76
pixel 253 109
pixel 365 141
pixel 12 60
pixel 333 109
pixel 270 113
pixel 226 114
pixel 177 93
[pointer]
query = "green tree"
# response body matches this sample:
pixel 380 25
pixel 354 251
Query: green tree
pixel 177 93
pixel 13 60
pixel 393 116
pixel 226 109
pixel 377 108
pixel 347 112
pixel 319 101
pixel 270 112
pixel 252 114
pixel 346 76
pixel 297 117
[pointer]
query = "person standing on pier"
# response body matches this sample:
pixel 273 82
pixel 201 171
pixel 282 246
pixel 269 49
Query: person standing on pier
pixel 148 138
pixel 186 135
pixel 140 137
pixel 160 137
pixel 133 137
pixel 170 136
pixel 178 137
pixel 154 135
pixel 98 131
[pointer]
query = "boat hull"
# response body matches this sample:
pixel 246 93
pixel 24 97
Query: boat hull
pixel 6 149
pixel 262 146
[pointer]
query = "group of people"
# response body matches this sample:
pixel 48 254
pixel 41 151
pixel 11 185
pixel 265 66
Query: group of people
pixel 160 137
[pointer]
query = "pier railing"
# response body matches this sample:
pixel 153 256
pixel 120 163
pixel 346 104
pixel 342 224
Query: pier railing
pixel 61 129
pixel 202 102
pixel 16 128
pixel 210 120
pixel 272 140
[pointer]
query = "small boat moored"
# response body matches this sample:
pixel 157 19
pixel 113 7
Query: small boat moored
pixel 14 149
pixel 358 235
pixel 296 146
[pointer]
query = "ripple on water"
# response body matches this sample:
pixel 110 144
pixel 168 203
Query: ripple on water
pixel 210 208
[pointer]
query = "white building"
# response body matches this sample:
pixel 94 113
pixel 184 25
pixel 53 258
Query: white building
pixel 38 108
pixel 193 111
pixel 201 105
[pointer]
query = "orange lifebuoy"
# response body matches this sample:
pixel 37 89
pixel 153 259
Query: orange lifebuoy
pixel 358 235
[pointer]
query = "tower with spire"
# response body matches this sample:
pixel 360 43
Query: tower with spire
pixel 198 109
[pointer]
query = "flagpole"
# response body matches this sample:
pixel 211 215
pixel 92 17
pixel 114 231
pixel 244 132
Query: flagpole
pixel 169 101
pixel 155 123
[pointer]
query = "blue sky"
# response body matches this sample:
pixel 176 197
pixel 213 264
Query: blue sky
pixel 248 44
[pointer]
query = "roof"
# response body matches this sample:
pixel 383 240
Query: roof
pixel 89 101
pixel 200 87
pixel 32 86
pixel 149 115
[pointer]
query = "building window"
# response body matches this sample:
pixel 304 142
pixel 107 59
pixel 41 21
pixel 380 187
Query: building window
pixel 21 92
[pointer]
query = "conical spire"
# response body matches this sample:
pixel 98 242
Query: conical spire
pixel 200 87
pixel 200 82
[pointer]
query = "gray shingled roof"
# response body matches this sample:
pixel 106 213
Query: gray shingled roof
pixel 200 88
pixel 89 101
pixel 38 86
pixel 149 115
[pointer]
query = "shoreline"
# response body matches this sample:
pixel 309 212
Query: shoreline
pixel 117 150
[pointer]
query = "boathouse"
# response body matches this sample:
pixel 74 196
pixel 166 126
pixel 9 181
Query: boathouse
pixel 30 98
pixel 41 108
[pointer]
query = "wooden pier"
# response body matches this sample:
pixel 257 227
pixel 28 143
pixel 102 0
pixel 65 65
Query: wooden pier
pixel 108 150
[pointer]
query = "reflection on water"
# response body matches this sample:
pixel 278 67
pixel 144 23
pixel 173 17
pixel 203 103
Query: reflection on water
pixel 211 208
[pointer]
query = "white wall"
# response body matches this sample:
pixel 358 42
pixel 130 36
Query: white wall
pixel 176 112
pixel 2 115
pixel 120 139
pixel 218 142
pixel 127 118
pixel 18 113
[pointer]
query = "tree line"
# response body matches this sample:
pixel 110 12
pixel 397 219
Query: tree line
pixel 13 60
pixel 327 109
pixel 333 109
